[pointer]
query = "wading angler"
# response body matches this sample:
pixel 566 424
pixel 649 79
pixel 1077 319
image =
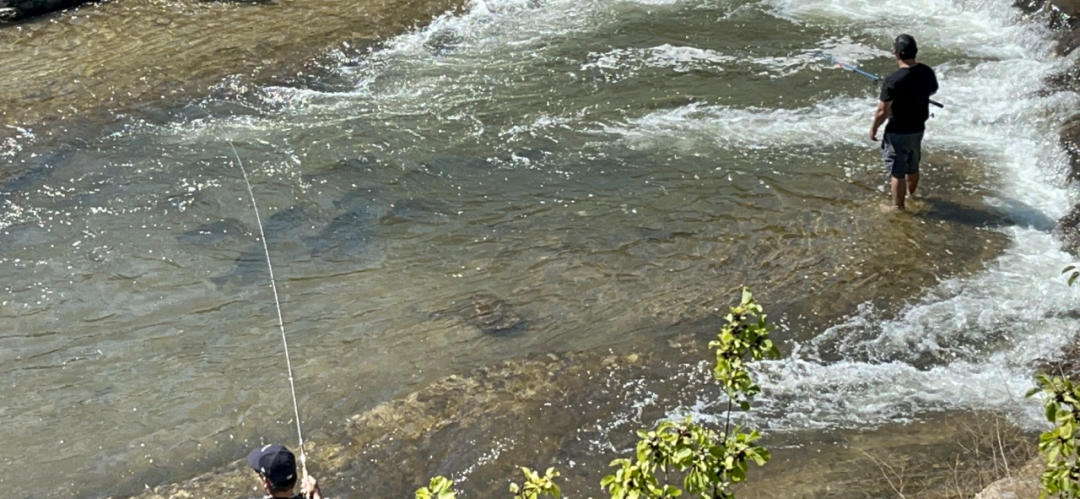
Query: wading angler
pixel 905 103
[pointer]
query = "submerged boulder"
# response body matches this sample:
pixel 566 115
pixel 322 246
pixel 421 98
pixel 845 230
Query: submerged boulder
pixel 214 233
pixel 485 313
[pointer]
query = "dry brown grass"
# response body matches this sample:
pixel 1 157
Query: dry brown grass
pixel 988 448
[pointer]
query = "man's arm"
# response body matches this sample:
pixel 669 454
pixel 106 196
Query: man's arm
pixel 880 115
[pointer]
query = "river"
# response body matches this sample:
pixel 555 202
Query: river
pixel 535 179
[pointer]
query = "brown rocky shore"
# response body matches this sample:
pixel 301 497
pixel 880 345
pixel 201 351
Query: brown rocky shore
pixel 1064 16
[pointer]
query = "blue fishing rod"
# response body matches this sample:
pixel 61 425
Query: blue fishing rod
pixel 859 71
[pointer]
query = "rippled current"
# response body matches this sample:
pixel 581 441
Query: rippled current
pixel 535 176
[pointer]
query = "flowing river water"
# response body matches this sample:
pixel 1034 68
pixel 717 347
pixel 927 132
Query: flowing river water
pixel 528 184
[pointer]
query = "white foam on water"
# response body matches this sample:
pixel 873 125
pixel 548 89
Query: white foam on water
pixel 481 36
pixel 18 140
pixel 980 27
pixel 966 344
pixel 849 51
pixel 626 61
pixel 694 125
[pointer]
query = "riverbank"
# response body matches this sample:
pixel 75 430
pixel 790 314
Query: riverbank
pixel 395 447
pixel 1064 17
pixel 104 65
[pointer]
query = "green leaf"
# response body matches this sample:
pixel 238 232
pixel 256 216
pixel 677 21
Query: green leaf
pixel 762 456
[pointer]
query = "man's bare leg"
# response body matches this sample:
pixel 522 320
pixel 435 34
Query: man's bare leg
pixel 912 183
pixel 899 192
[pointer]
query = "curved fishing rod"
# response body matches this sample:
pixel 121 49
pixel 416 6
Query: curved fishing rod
pixel 277 301
pixel 861 72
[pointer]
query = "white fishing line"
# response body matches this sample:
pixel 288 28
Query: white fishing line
pixel 277 300
pixel 277 305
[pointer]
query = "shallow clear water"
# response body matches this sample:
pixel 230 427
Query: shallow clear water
pixel 600 173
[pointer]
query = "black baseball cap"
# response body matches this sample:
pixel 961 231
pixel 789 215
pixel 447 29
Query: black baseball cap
pixel 274 462
pixel 905 46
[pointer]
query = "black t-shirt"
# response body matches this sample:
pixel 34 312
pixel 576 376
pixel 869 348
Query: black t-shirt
pixel 909 89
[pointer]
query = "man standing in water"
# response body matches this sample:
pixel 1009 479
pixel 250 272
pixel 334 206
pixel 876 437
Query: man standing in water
pixel 276 467
pixel 905 102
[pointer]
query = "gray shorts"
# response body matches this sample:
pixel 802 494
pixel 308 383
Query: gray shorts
pixel 902 152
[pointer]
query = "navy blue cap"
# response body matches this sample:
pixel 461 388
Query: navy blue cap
pixel 274 462
pixel 905 46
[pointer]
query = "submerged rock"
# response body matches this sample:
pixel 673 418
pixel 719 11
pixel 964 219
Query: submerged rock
pixel 347 236
pixel 346 170
pixel 1069 230
pixel 456 167
pixel 493 315
pixel 486 312
pixel 250 266
pixel 214 233
pixel 26 235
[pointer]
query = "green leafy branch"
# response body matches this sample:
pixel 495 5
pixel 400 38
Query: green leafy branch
pixel 536 486
pixel 439 488
pixel 1059 445
pixel 745 337
pixel 708 463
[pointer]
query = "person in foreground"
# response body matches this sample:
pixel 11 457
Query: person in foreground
pixel 905 103
pixel 276 467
